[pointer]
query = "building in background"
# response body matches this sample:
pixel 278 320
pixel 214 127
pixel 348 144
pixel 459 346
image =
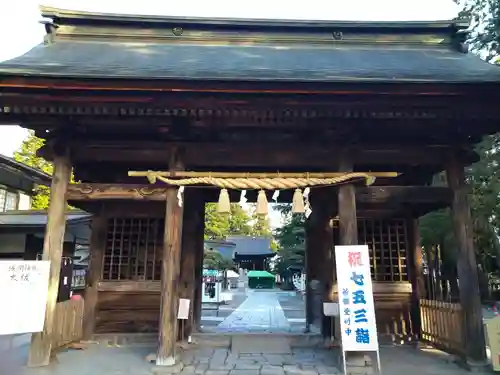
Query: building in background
pixel 252 252
pixel 225 248
pixel 22 234
pixel 17 182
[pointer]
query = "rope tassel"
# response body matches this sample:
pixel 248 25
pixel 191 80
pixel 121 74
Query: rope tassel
pixel 224 205
pixel 298 202
pixel 262 205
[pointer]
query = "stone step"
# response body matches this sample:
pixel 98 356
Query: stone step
pixel 259 345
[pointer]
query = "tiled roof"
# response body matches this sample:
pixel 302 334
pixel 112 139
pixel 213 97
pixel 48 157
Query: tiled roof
pixel 249 245
pixel 37 218
pixel 303 63
pixel 30 173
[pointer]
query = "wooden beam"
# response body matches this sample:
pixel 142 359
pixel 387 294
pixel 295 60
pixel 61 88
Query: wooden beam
pixel 271 155
pixel 391 196
pixel 466 265
pixel 386 195
pixel 95 191
pixel 41 342
pixel 130 286
pixel 97 248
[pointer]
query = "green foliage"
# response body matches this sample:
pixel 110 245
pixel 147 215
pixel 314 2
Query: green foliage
pixel 219 226
pixel 484 36
pixel 483 179
pixel 213 260
pixel 238 222
pixel 27 155
pixel 290 239
pixel 260 225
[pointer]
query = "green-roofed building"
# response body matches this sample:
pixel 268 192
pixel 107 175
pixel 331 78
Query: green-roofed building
pixel 261 280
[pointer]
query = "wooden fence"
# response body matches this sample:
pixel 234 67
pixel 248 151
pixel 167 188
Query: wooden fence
pixel 68 322
pixel 442 326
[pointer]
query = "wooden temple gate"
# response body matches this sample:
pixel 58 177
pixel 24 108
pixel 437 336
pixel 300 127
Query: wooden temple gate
pixel 112 93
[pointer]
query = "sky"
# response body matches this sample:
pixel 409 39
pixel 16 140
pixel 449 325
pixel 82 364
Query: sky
pixel 23 18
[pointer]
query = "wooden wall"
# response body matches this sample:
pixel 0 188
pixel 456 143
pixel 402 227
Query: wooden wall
pixel 129 299
pixel 121 311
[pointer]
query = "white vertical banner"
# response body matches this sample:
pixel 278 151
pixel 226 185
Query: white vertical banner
pixel 355 291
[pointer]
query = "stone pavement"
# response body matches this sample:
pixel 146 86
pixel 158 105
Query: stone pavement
pixel 101 359
pixel 260 312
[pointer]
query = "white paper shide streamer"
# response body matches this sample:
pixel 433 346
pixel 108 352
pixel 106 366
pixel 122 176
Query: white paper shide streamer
pixel 180 193
pixel 306 201
pixel 243 199
pixel 276 194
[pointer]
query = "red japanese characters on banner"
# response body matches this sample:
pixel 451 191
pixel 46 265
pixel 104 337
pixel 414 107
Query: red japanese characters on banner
pixel 354 259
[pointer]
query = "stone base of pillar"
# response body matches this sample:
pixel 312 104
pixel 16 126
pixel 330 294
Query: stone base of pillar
pixel 167 365
pixel 166 369
pixel 477 366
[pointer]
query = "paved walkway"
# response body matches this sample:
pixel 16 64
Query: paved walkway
pixel 261 312
pixel 104 360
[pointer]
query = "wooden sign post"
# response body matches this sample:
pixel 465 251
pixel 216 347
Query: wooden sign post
pixel 356 306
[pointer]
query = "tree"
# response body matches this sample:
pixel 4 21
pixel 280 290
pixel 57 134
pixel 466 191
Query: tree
pixel 239 222
pixel 213 260
pixel 290 238
pixel 27 155
pixel 218 226
pixel 260 224
pixel 436 228
pixel 484 37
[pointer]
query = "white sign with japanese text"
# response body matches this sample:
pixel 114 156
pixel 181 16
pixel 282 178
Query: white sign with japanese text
pixel 23 291
pixel 357 310
pixel 183 311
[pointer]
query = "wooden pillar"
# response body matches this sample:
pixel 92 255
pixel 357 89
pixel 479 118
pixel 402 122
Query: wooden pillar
pixel 309 268
pixel 321 202
pixel 200 231
pixel 329 277
pixel 416 275
pixel 466 264
pixel 41 342
pixel 348 224
pixel 193 209
pixel 94 274
pixel 170 272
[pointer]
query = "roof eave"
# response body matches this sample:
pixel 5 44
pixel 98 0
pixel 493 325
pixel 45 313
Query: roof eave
pixel 30 173
pixel 26 74
pixel 67 14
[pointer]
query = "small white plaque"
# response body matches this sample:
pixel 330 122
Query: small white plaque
pixel 183 312
pixel 331 309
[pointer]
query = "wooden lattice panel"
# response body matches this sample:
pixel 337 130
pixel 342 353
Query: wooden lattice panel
pixel 133 249
pixel 387 241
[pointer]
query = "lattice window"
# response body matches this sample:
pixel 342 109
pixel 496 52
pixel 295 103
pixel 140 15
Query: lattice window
pixel 133 249
pixel 11 201
pixel 387 240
